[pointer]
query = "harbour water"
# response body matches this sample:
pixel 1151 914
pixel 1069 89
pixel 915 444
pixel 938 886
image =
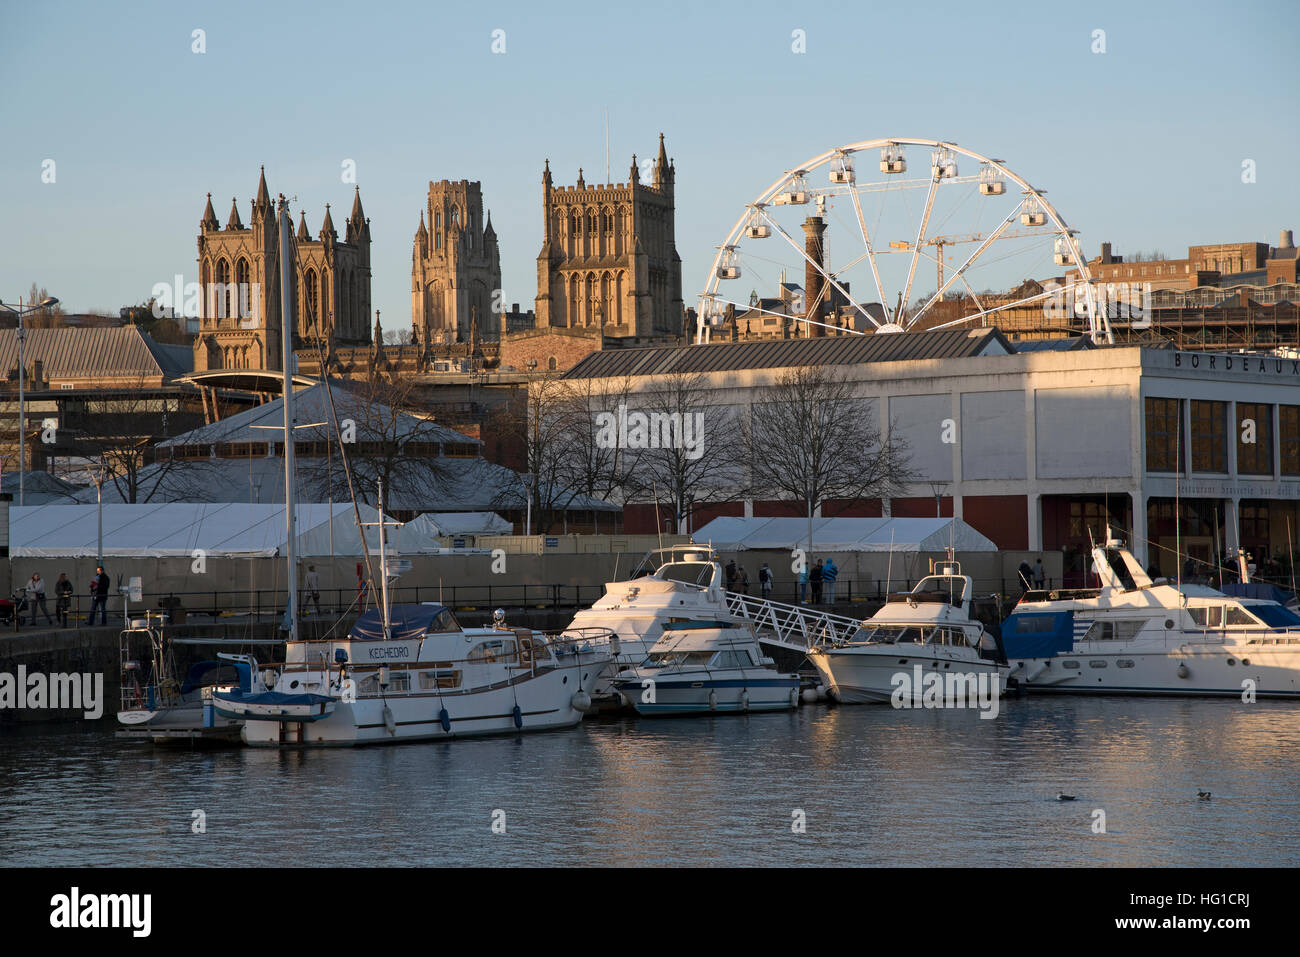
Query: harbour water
pixel 875 787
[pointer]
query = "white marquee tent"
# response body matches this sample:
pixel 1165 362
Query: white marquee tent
pixel 179 529
pixel 843 534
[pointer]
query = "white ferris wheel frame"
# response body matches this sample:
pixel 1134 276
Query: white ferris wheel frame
pixel 1098 325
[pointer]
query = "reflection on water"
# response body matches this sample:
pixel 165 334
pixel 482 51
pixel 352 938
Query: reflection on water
pixel 877 787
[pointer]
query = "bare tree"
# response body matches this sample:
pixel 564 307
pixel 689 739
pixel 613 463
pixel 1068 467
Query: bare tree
pixel 597 468
pixel 542 424
pixel 386 436
pixel 690 453
pixel 812 439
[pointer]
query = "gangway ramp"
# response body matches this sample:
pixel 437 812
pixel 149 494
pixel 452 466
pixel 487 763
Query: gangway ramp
pixel 795 627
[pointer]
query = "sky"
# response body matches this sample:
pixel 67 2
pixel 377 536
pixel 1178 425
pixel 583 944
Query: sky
pixel 1142 144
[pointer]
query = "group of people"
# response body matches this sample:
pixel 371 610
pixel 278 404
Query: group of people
pixel 63 590
pixel 819 579
pixel 1032 576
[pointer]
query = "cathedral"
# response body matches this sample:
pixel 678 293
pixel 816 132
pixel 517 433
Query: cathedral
pixel 239 270
pixel 455 268
pixel 609 259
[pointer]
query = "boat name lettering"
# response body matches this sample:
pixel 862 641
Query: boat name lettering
pixel 402 652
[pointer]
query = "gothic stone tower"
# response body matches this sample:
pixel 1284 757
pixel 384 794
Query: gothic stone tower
pixel 455 266
pixel 609 260
pixel 239 274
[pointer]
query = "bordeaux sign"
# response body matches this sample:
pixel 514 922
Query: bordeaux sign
pixel 1238 363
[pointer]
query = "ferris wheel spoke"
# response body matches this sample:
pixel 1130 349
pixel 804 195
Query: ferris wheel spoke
pixel 970 260
pixel 870 252
pixel 810 261
pixel 916 248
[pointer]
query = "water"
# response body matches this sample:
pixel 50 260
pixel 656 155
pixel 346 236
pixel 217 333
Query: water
pixel 876 787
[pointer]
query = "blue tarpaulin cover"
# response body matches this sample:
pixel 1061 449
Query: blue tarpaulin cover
pixel 1258 590
pixel 1038 634
pixel 406 621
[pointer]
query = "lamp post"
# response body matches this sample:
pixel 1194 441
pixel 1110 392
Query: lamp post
pixel 22 393
pixel 100 474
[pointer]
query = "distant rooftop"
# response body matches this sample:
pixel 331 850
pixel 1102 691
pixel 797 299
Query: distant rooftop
pixel 786 353
pixel 96 353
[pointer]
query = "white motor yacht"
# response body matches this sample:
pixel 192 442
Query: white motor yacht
pixel 1133 635
pixel 698 667
pixel 926 631
pixel 415 674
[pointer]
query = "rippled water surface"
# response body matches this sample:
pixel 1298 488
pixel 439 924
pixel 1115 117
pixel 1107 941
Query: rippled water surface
pixel 875 786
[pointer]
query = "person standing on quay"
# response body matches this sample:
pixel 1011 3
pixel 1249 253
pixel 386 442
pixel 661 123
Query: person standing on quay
pixel 803 582
pixel 36 597
pixel 765 581
pixel 311 591
pixel 744 581
pixel 731 575
pixel 829 573
pixel 62 599
pixel 816 578
pixel 1040 577
pixel 99 596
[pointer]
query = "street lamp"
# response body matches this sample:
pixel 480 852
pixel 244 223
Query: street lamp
pixel 22 375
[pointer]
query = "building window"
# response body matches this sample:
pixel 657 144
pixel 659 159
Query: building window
pixel 1165 439
pixel 1252 522
pixel 551 363
pixel 1289 421
pixel 1209 441
pixel 1254 421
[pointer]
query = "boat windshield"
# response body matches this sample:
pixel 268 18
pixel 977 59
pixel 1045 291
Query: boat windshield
pixel 688 573
pixel 665 659
pixel 893 635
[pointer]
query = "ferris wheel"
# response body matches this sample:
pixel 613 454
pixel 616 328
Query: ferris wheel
pixel 851 239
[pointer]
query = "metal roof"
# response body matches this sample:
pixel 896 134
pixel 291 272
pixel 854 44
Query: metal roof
pixel 95 352
pixel 786 353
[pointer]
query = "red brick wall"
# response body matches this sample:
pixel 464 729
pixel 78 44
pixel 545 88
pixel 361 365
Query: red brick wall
pixel 1002 518
pixel 859 508
pixel 920 507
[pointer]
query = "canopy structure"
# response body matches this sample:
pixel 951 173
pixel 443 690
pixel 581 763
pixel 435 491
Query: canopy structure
pixel 427 528
pixel 181 529
pixel 844 534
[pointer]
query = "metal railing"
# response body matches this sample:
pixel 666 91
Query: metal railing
pixel 794 626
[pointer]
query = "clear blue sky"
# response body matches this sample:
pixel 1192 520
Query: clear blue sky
pixel 1141 145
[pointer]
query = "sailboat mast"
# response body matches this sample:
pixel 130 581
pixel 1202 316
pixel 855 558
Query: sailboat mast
pixel 286 358
pixel 383 563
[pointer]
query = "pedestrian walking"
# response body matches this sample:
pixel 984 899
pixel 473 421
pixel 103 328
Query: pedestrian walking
pixel 1040 576
pixel 36 598
pixel 311 591
pixel 815 577
pixel 829 573
pixel 62 599
pixel 99 596
pixel 765 580
pixel 731 575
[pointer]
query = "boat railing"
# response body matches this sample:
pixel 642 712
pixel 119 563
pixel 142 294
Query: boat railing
pixel 793 626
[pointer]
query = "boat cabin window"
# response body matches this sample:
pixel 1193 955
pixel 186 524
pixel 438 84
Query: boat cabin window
pixel 399 681
pixel 1113 631
pixel 889 636
pixel 1211 617
pixel 440 680
pixel 1238 616
pixel 495 651
pixel 731 659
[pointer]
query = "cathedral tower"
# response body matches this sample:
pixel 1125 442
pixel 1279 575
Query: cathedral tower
pixel 455 267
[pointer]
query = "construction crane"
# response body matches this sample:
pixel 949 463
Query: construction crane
pixel 940 241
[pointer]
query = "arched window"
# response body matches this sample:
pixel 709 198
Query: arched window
pixel 312 304
pixel 205 281
pixel 324 321
pixel 551 364
pixel 221 292
pixel 245 300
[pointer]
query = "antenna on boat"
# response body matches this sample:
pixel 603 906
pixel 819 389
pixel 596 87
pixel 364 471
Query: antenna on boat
pixel 1178 470
pixel 658 527
pixel 383 564
pixel 1218 555
pixel 1289 553
pixel 889 568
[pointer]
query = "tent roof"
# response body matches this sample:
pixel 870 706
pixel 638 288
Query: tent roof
pixel 179 528
pixel 844 534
